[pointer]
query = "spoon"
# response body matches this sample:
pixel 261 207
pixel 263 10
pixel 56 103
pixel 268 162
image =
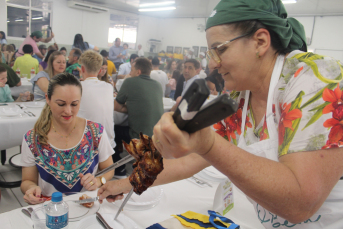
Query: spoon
pixel 26 212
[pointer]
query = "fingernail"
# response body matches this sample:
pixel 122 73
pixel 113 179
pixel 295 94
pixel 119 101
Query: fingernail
pixel 41 199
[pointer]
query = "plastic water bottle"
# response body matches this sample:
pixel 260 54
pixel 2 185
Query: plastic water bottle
pixel 18 72
pixel 32 72
pixel 57 212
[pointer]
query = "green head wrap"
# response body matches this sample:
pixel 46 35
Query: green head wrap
pixel 271 13
pixel 37 34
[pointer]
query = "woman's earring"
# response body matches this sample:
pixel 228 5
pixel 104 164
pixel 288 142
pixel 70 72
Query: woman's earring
pixel 258 55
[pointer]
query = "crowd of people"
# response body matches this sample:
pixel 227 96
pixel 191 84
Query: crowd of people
pixel 281 147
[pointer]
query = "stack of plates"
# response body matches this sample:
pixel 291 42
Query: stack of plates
pixel 10 111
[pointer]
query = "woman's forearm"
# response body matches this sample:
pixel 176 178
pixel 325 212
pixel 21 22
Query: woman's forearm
pixel 26 185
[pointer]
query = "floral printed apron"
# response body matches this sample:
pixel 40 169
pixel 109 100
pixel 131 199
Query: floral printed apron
pixel 330 215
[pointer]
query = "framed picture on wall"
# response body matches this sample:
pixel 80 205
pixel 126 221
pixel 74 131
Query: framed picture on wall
pixel 203 49
pixel 185 51
pixel 178 50
pixel 170 49
pixel 196 51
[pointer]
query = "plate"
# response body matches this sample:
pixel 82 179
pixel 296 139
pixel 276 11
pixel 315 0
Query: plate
pixel 212 174
pixel 34 104
pixel 122 222
pixel 10 111
pixel 78 212
pixel 148 199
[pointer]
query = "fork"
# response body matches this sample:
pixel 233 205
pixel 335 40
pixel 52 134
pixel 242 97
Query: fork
pixel 201 182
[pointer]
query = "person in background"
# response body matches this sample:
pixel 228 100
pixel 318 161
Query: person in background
pixel 203 60
pixel 12 78
pixel 150 58
pixel 180 81
pixel 43 50
pixel 171 66
pixel 56 65
pixel 172 83
pixel 159 75
pixel 73 62
pixel 26 63
pixel 64 51
pixel 3 37
pixel 114 53
pixel 83 46
pixel 125 69
pixel 44 64
pixel 125 53
pixel 190 54
pixel 32 40
pixel 2 55
pixel 141 98
pixel 111 68
pixel 5 91
pixel 77 148
pixel 140 51
pixel 9 54
pixel 190 72
pixel 103 76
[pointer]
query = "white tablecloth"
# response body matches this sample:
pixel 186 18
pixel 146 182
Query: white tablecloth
pixel 26 85
pixel 13 128
pixel 178 198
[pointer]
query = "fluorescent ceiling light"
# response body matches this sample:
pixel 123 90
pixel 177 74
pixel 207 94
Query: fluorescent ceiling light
pixel 8 21
pixel 36 18
pixel 157 4
pixel 19 20
pixel 289 1
pixel 157 9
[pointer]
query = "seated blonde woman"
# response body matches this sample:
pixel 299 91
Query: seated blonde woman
pixel 63 152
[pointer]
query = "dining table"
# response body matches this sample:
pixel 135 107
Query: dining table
pixel 174 199
pixel 25 86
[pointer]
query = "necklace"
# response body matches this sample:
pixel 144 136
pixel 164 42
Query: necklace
pixel 67 136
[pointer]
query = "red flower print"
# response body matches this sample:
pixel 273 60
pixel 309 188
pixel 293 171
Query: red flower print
pixel 298 71
pixel 335 138
pixel 286 119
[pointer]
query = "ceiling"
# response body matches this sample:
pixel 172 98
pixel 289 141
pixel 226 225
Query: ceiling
pixel 203 8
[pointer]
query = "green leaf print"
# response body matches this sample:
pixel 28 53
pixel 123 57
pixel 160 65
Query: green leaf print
pixel 309 59
pixel 315 117
pixel 289 134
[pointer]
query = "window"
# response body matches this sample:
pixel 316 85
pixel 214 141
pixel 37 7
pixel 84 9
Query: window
pixel 124 27
pixel 27 16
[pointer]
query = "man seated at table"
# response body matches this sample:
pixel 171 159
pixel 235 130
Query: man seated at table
pixel 97 96
pixel 26 63
pixel 43 50
pixel 141 98
pixel 12 78
pixel 73 62
pixel 32 40
pixel 125 69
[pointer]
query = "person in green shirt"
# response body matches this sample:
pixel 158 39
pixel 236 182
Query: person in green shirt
pixel 26 63
pixel 73 59
pixel 5 92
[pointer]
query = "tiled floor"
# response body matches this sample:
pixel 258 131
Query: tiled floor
pixel 13 198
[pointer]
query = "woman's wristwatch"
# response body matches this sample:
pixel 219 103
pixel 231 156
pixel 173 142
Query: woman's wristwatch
pixel 102 180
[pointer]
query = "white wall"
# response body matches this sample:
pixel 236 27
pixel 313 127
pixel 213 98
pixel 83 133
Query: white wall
pixel 3 16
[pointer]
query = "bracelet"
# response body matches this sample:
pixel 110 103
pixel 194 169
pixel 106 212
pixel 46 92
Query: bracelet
pixel 210 147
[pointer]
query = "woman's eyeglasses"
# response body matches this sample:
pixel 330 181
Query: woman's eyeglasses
pixel 213 54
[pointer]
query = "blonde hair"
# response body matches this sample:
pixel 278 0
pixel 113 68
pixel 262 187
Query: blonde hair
pixel 50 68
pixel 92 61
pixel 43 124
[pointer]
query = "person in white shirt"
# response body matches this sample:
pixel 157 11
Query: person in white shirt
pixel 159 75
pixel 140 50
pixel 190 72
pixel 203 60
pixel 190 54
pixel 125 69
pixel 97 103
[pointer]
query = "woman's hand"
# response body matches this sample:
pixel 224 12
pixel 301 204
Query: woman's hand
pixel 89 182
pixel 113 190
pixel 33 195
pixel 171 142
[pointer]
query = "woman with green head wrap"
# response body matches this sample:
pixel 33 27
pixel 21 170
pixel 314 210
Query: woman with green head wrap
pixel 281 147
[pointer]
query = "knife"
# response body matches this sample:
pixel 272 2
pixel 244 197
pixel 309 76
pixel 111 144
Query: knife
pixel 124 202
pixel 86 200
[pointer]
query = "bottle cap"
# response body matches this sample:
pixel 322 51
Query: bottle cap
pixel 56 197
